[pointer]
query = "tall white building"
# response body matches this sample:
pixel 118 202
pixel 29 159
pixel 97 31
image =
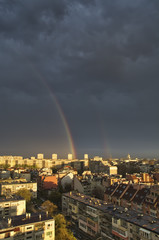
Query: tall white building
pixel 54 156
pixel 85 156
pixel 70 156
pixel 40 156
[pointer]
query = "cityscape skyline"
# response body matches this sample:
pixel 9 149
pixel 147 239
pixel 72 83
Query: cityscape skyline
pixel 70 156
pixel 79 76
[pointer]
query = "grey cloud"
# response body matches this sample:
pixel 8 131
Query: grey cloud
pixel 100 59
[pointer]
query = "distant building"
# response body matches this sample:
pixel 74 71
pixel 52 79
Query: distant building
pixel 4 174
pixel 26 175
pixel 97 158
pixel 54 156
pixel 40 162
pixel 10 188
pixel 70 157
pixel 112 170
pixel 40 156
pixel 85 156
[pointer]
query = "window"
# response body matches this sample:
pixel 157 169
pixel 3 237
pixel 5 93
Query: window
pixel 82 225
pixel 29 227
pixel 115 220
pixel 49 233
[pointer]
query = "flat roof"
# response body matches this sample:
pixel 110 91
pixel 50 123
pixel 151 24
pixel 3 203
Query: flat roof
pixel 13 183
pixel 11 198
pixel 23 220
pixel 131 216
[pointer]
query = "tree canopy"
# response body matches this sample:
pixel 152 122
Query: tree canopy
pixel 61 231
pixel 55 197
pixel 26 194
pixel 49 206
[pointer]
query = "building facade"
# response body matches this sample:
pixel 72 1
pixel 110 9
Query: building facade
pixel 10 188
pixel 98 219
pixel 28 227
pixel 13 206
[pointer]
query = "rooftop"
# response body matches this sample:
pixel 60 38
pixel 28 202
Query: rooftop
pixel 122 187
pixel 129 194
pixel 13 183
pixel 24 219
pixel 8 199
pixel 142 220
pixel 141 195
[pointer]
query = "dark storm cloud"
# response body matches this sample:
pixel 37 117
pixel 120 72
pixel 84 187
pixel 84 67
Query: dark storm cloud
pixel 100 58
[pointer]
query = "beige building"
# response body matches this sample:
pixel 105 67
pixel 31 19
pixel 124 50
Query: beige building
pixel 41 162
pixel 132 227
pixel 101 220
pixel 13 206
pixel 70 157
pixel 10 188
pixel 113 170
pixel 40 156
pixel 54 156
pixel 28 227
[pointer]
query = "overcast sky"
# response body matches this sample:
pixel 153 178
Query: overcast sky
pixel 99 58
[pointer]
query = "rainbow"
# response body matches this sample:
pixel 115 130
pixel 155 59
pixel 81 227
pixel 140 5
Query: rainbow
pixel 60 111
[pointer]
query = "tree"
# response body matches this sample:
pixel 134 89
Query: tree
pixel 55 197
pixel 49 206
pixel 61 231
pixel 5 166
pixel 54 170
pixel 34 166
pixel 26 194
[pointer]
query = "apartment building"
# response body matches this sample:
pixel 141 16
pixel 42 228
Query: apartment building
pixel 128 197
pixel 138 200
pixel 118 194
pixel 28 227
pixel 129 225
pixel 12 206
pixel 99 219
pixel 10 188
pixel 86 215
pixel 41 162
pixel 82 185
pixel 133 196
pixel 151 201
pixel 109 191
